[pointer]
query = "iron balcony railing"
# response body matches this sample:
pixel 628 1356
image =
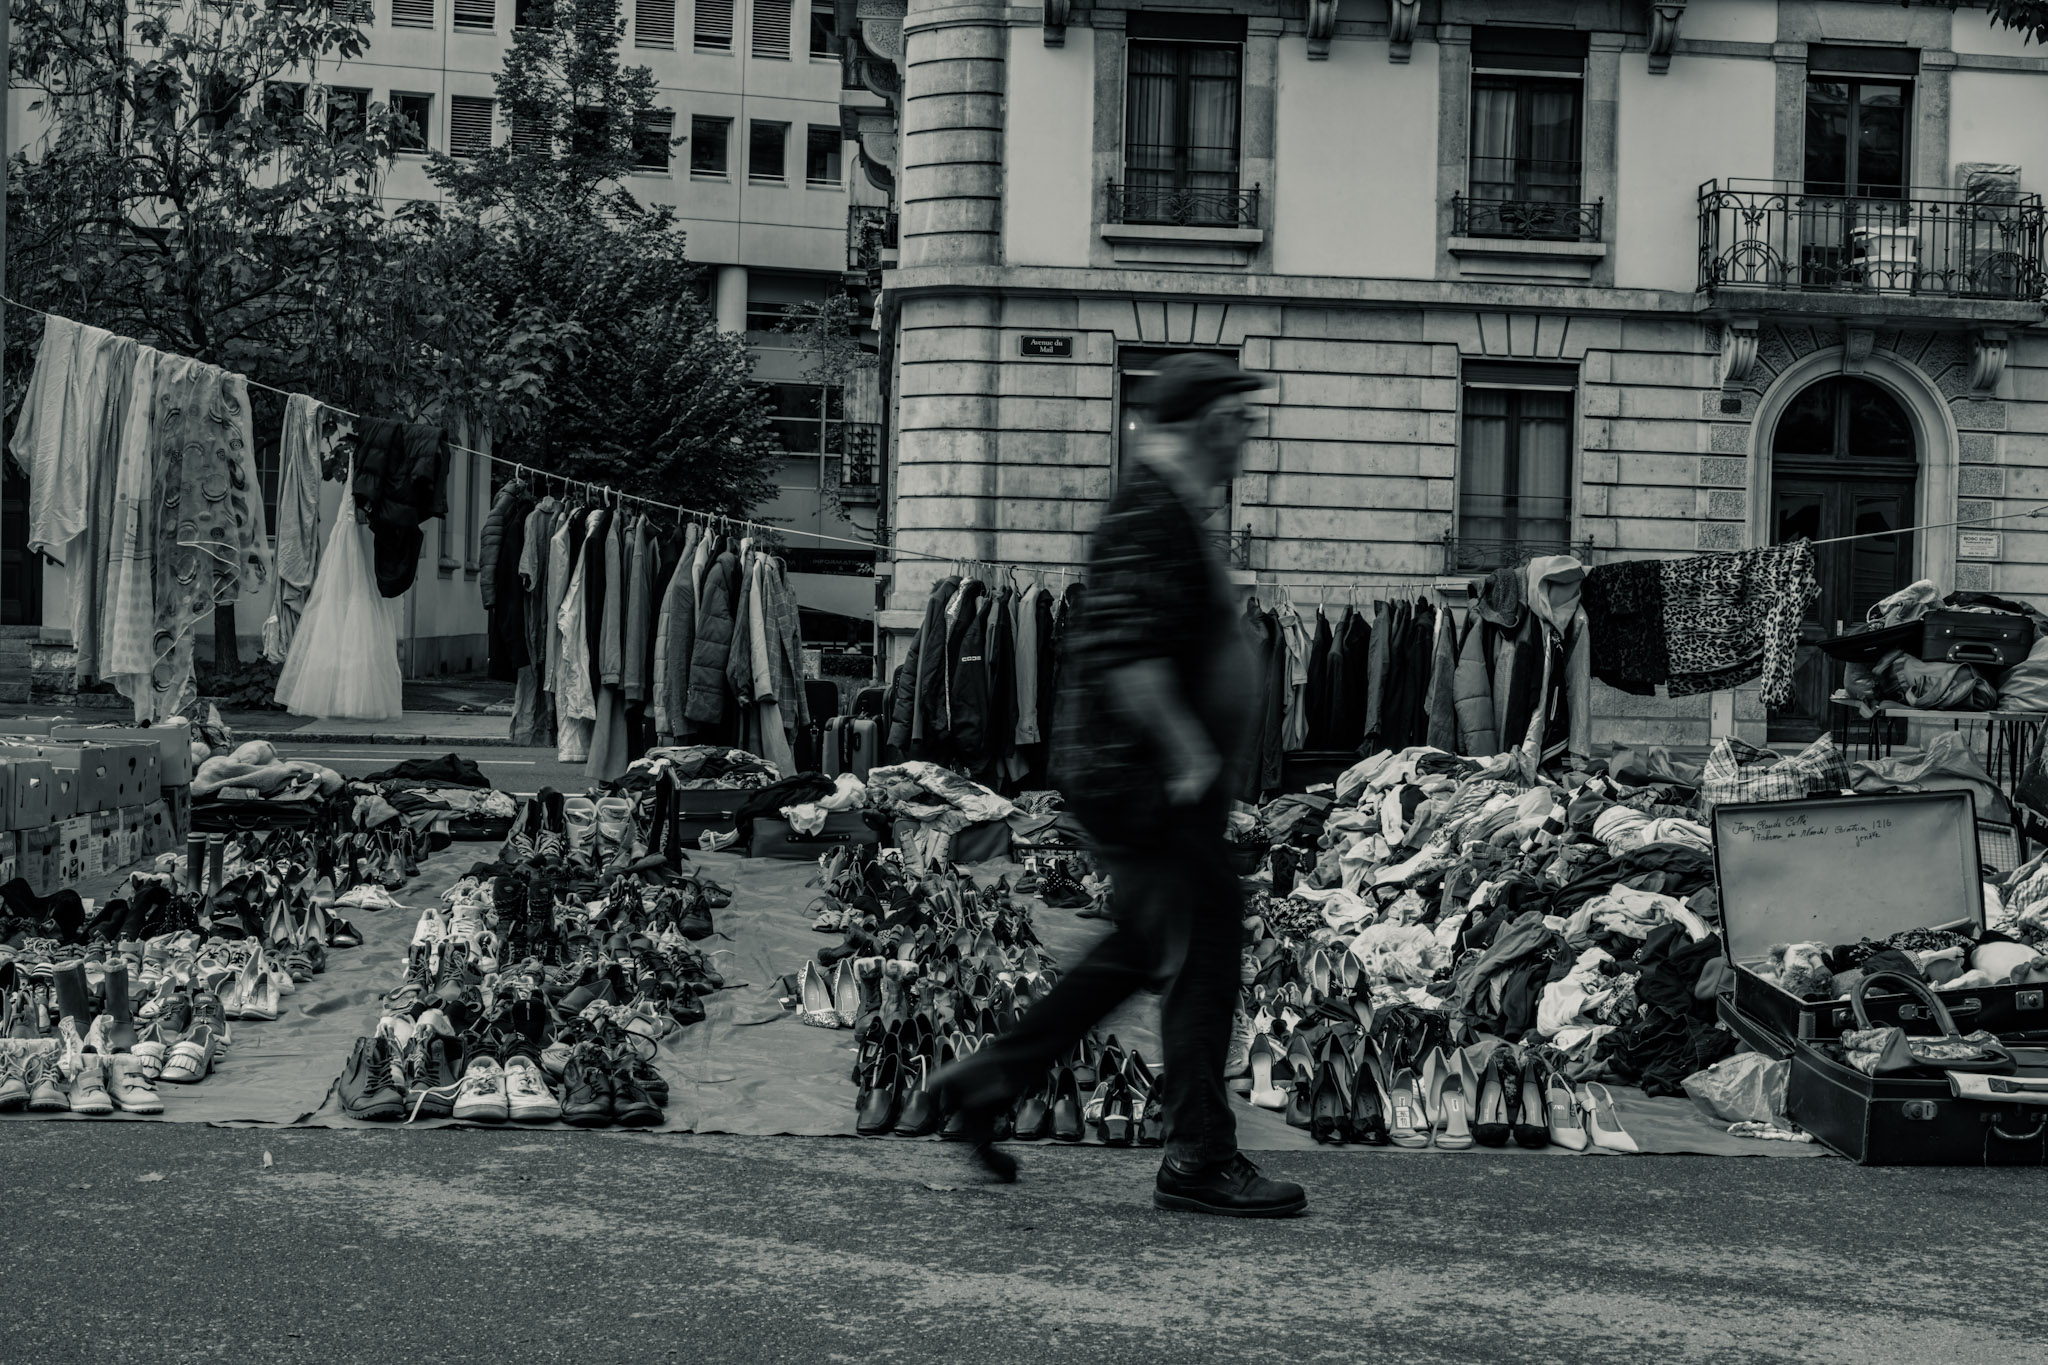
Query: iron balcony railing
pixel 1526 219
pixel 1183 206
pixel 1782 235
pixel 863 445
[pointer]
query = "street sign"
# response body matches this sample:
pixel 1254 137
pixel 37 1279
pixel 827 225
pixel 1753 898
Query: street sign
pixel 1046 348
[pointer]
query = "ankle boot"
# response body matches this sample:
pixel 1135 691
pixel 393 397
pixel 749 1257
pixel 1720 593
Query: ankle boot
pixel 120 1022
pixel 579 818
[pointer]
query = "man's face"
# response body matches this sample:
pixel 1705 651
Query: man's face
pixel 1224 426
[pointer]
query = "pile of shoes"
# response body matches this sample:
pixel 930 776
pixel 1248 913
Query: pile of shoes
pixel 96 1010
pixel 541 987
pixel 930 969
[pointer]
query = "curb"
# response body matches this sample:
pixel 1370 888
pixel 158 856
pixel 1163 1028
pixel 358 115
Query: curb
pixel 319 737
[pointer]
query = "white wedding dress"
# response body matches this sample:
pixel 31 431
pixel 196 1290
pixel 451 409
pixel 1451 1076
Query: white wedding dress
pixel 344 659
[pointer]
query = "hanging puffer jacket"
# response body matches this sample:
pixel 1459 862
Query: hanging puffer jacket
pixel 706 703
pixel 1476 736
pixel 901 709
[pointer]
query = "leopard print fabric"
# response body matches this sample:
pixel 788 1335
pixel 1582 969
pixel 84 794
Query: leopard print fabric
pixel 1734 617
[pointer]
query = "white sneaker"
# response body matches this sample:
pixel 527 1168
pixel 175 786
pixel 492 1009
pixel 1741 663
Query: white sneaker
pixel 527 1097
pixel 89 1087
pixel 481 1098
pixel 432 928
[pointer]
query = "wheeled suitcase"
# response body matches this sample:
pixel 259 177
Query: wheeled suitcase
pixel 851 744
pixel 775 837
pixel 1986 639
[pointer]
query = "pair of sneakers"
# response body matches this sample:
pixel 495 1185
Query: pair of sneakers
pixel 601 1087
pixel 104 1084
pixel 514 1090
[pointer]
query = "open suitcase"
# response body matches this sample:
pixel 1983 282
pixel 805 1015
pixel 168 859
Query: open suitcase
pixel 1837 869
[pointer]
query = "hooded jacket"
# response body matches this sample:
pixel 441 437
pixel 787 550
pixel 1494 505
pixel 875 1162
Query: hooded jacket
pixel 705 702
pixel 1477 737
pixel 401 481
pixel 971 683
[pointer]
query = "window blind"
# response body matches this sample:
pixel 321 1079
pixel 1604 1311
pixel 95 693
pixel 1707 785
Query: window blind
pixel 771 29
pixel 469 125
pixel 714 25
pixel 412 13
pixel 654 23
pixel 476 15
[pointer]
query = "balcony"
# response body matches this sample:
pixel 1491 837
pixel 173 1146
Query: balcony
pixel 1182 206
pixel 860 466
pixel 1526 219
pixel 870 242
pixel 1930 255
pixel 1471 554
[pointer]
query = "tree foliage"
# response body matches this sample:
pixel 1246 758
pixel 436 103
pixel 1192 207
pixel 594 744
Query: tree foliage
pixel 2030 17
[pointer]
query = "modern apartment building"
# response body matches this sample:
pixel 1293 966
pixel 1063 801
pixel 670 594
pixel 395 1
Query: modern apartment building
pixel 1621 278
pixel 759 182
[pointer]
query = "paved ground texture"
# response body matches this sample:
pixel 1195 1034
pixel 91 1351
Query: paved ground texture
pixel 183 1244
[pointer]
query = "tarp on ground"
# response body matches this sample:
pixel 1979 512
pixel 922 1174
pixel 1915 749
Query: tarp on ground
pixel 749 1068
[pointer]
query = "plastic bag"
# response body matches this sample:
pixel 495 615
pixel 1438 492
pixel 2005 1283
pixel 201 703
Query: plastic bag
pixel 2025 685
pixel 1746 1088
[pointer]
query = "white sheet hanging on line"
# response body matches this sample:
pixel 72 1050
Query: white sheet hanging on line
pixel 344 658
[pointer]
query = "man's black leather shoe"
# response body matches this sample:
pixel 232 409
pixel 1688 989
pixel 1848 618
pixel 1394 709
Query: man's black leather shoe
pixel 1234 1189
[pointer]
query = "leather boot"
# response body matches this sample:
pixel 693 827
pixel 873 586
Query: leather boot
pixel 120 1022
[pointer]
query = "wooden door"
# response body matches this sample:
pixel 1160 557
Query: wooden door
pixel 1854 576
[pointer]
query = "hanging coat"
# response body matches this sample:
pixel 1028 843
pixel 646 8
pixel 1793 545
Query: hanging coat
pixel 504 593
pixel 705 701
pixel 900 710
pixel 1377 649
pixel 1442 703
pixel 675 636
pixel 401 481
pixel 929 724
pixel 1315 692
pixel 1474 691
pixel 970 685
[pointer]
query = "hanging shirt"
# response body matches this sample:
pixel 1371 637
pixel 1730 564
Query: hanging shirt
pixel 53 437
pixel 1027 665
pixel 127 613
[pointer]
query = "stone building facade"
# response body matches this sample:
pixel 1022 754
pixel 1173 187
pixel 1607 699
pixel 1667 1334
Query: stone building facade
pixel 1632 279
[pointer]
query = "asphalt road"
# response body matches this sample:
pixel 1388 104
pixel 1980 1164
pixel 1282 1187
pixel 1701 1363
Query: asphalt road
pixel 178 1243
pixel 520 770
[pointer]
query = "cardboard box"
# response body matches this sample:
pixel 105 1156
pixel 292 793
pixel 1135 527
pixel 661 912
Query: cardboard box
pixel 31 791
pixel 78 857
pixel 137 768
pixel 157 836
pixel 132 841
pixel 178 801
pixel 172 744
pixel 38 859
pixel 106 841
pixel 92 784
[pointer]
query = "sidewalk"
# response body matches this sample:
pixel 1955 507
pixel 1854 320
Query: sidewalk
pixel 448 712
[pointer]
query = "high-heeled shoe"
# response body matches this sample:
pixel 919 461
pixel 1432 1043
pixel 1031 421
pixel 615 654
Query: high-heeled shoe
pixel 1408 1121
pixel 917 1111
pixel 1603 1122
pixel 814 998
pixel 1450 1103
pixel 1329 1107
pixel 1371 1106
pixel 875 1107
pixel 1066 1107
pixel 1491 1126
pixel 1145 1102
pixel 1531 1126
pixel 1264 1094
pixel 846 992
pixel 1561 1112
pixel 1031 1119
pixel 1301 1067
pixel 1116 1119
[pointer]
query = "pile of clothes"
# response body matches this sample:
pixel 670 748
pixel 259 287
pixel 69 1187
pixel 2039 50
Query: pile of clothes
pixel 1575 915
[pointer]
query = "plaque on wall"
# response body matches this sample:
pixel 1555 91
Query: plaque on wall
pixel 1046 348
pixel 1979 544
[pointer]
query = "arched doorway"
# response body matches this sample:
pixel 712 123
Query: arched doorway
pixel 1844 462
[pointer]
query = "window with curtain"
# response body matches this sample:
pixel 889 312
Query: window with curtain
pixel 1514 475
pixel 1181 133
pixel 1856 138
pixel 1525 139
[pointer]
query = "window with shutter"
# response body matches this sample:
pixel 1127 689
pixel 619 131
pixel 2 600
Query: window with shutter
pixel 529 135
pixel 713 31
pixel 771 29
pixel 469 125
pixel 412 13
pixel 476 16
pixel 652 132
pixel 654 23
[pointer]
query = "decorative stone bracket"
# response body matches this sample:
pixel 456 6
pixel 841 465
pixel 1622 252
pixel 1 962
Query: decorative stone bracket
pixel 1857 343
pixel 1057 12
pixel 1664 17
pixel 1738 352
pixel 1322 26
pixel 1402 15
pixel 1990 361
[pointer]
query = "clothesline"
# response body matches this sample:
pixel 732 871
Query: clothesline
pixel 621 495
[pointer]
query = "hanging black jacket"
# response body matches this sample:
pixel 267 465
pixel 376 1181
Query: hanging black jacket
pixel 1315 694
pixel 504 591
pixel 928 724
pixel 1001 652
pixel 401 481
pixel 971 683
